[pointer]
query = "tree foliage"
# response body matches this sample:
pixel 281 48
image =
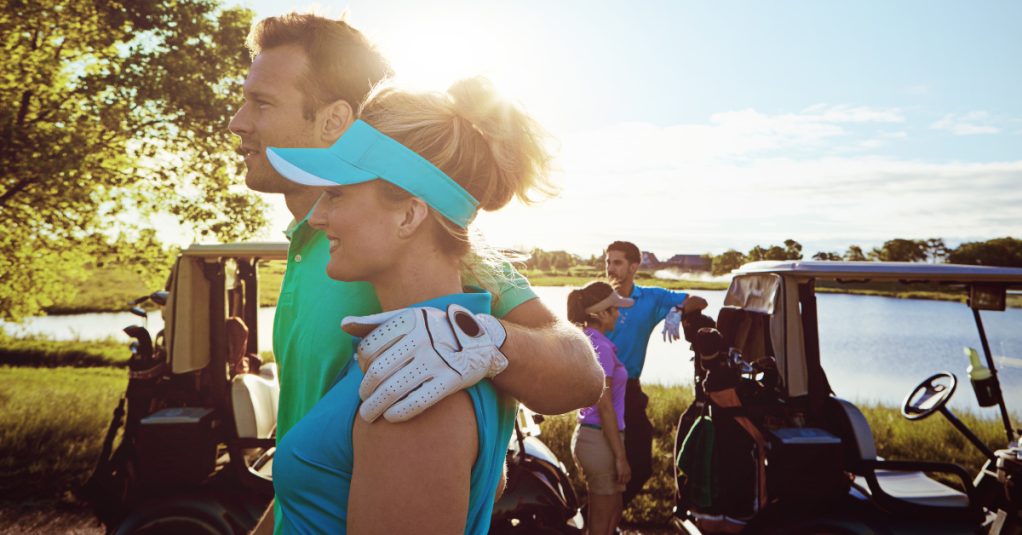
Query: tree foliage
pixel 547 260
pixel 792 250
pixel 1004 252
pixel 727 262
pixel 855 254
pixel 109 113
pixel 900 250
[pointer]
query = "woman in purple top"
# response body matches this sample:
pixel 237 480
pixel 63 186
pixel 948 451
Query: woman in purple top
pixel 599 442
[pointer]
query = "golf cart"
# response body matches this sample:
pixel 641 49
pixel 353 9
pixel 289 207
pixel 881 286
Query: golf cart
pixel 190 447
pixel 195 444
pixel 792 458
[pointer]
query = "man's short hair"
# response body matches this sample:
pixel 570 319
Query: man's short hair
pixel 631 252
pixel 343 63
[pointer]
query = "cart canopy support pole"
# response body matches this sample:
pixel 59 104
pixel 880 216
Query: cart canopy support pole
pixel 993 373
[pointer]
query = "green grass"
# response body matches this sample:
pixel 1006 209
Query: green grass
pixel 933 439
pixel 108 289
pixel 111 287
pixel 42 353
pixel 543 279
pixel 53 420
pixel 271 274
pixel 52 425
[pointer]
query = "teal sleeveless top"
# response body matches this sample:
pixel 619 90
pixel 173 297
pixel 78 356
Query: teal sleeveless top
pixel 313 464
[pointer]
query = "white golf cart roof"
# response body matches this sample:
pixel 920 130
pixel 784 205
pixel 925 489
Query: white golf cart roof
pixel 261 250
pixel 771 289
pixel 906 272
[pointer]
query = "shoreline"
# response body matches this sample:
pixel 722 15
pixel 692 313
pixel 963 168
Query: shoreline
pixel 269 298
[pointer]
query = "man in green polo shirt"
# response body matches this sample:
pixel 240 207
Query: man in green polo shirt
pixel 302 66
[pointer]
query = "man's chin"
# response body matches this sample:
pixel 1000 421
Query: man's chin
pixel 260 182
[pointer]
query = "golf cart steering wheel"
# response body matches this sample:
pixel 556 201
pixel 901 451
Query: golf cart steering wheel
pixel 929 397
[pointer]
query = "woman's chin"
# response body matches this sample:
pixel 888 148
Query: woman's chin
pixel 339 273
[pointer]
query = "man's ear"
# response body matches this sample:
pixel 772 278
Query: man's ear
pixel 415 214
pixel 335 119
pixel 633 269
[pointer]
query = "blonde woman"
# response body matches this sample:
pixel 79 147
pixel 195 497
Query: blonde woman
pixel 598 444
pixel 400 188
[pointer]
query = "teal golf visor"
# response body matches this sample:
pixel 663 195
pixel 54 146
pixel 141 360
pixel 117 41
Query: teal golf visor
pixel 363 154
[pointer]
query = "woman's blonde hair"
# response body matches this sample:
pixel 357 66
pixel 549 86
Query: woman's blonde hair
pixel 483 141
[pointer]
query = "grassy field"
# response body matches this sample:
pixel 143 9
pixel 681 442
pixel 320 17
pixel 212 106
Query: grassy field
pixel 42 353
pixel 52 424
pixel 110 288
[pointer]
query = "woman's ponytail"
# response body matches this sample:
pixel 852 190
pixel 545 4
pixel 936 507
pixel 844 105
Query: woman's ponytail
pixel 576 312
pixel 582 298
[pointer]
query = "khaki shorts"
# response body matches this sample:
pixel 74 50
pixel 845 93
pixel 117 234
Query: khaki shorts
pixel 594 457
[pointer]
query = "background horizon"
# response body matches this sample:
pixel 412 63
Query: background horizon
pixel 694 128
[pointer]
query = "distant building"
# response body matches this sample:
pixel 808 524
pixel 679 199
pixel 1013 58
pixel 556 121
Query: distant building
pixel 649 261
pixel 688 263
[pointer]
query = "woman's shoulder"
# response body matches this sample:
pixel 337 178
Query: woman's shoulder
pixel 599 340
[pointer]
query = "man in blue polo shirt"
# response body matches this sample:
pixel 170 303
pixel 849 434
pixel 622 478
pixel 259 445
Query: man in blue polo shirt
pixel 631 336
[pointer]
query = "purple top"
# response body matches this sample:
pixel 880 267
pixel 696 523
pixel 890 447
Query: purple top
pixel 606 353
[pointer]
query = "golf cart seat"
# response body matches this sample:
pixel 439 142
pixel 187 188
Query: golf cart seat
pixel 900 487
pixel 254 397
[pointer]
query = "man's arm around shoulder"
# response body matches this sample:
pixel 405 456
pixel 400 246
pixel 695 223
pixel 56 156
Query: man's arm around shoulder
pixel 552 368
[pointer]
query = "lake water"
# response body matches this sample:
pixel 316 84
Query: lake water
pixel 872 348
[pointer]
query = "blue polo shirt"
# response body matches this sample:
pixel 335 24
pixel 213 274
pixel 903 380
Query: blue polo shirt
pixel 635 325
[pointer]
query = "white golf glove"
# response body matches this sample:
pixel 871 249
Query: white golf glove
pixel 414 357
pixel 672 325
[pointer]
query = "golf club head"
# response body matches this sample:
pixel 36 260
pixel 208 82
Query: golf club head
pixel 138 300
pixel 160 298
pixel 139 312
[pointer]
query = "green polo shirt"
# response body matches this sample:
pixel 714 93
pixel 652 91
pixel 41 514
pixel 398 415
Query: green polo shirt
pixel 308 344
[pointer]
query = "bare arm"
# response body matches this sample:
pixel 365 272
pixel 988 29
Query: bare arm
pixel 608 423
pixel 414 476
pixel 265 525
pixel 693 302
pixel 552 368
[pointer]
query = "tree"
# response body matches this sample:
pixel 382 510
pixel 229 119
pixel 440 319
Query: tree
pixel 756 254
pixel 1003 252
pixel 822 256
pixel 109 113
pixel 854 254
pixel 794 249
pixel 727 262
pixel 776 254
pixel 936 251
pixel 899 250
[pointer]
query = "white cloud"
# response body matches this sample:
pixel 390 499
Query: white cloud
pixel 748 178
pixel 846 114
pixel 974 122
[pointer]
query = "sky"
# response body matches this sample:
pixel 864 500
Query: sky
pixel 694 127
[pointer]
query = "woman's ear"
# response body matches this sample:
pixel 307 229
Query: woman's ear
pixel 415 213
pixel 335 119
